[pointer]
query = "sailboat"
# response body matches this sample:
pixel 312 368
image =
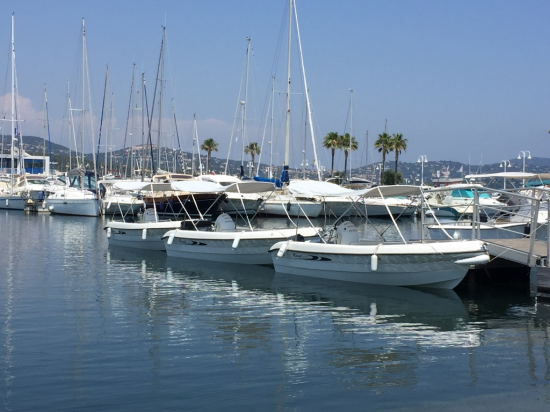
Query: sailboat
pixel 79 195
pixel 281 203
pixel 10 198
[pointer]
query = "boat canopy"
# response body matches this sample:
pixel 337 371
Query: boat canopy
pixel 505 175
pixel 324 189
pixel 250 187
pixel 131 186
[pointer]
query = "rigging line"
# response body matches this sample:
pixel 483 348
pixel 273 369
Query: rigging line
pixel 149 119
pixel 129 105
pixel 102 112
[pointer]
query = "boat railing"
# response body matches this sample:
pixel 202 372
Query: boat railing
pixel 519 219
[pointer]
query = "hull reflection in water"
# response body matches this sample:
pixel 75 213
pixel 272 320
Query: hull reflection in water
pixel 432 317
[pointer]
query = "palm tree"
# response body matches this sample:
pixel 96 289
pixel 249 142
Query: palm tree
pixel 331 141
pixel 252 149
pixel 209 146
pixel 383 144
pixel 398 145
pixel 345 144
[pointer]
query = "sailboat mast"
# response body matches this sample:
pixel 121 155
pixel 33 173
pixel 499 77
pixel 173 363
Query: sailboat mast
pixel 127 123
pixel 245 102
pixel 48 126
pixel 308 103
pixel 83 94
pixel 271 140
pixel 142 165
pixel 193 148
pixel 350 128
pixel 94 160
pixel 160 94
pixel 12 102
pixel 287 127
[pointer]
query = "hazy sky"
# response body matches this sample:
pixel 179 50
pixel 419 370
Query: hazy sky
pixel 462 80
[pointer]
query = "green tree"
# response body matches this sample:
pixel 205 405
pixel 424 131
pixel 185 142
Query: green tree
pixel 332 142
pixel 392 178
pixel 252 149
pixel 398 145
pixel 383 144
pixel 209 146
pixel 345 144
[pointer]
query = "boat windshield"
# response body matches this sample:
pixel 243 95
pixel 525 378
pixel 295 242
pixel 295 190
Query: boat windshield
pixel 469 194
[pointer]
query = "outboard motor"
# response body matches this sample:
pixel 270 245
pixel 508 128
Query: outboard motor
pixel 224 222
pixel 149 215
pixel 346 234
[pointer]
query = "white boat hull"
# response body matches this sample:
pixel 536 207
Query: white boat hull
pixel 112 207
pixel 74 207
pixel 235 206
pixel 12 202
pixel 431 265
pixel 238 246
pixel 140 235
pixel 499 231
pixel 292 208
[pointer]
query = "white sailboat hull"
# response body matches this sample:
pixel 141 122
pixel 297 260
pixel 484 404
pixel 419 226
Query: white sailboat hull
pixel 432 265
pixel 236 246
pixel 15 202
pixel 74 207
pixel 292 208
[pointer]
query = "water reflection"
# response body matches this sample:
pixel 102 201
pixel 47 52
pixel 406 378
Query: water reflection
pixel 171 326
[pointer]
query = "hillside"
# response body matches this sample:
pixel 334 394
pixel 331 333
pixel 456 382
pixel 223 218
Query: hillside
pixel 411 171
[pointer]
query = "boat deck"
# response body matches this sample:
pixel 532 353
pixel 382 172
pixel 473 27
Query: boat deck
pixel 517 250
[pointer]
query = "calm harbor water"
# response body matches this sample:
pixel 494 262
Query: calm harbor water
pixel 88 327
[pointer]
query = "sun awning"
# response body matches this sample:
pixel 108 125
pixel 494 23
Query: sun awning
pixel 250 187
pixel 311 188
pixel 133 186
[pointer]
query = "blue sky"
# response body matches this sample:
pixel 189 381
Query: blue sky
pixel 461 80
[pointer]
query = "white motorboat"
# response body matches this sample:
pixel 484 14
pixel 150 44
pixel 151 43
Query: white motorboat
pixel 488 230
pixel 236 203
pixel 146 233
pixel 226 242
pixel 343 256
pixel 119 202
pixel 459 201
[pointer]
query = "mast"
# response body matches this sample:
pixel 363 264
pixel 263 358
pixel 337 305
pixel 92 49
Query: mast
pixel 142 126
pixel 127 122
pixel 160 94
pixel 105 92
pixel 271 141
pixel 85 59
pixel 350 128
pixel 48 126
pixel 193 148
pixel 12 103
pixel 308 103
pixel 287 127
pixel 72 130
pixel 245 102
